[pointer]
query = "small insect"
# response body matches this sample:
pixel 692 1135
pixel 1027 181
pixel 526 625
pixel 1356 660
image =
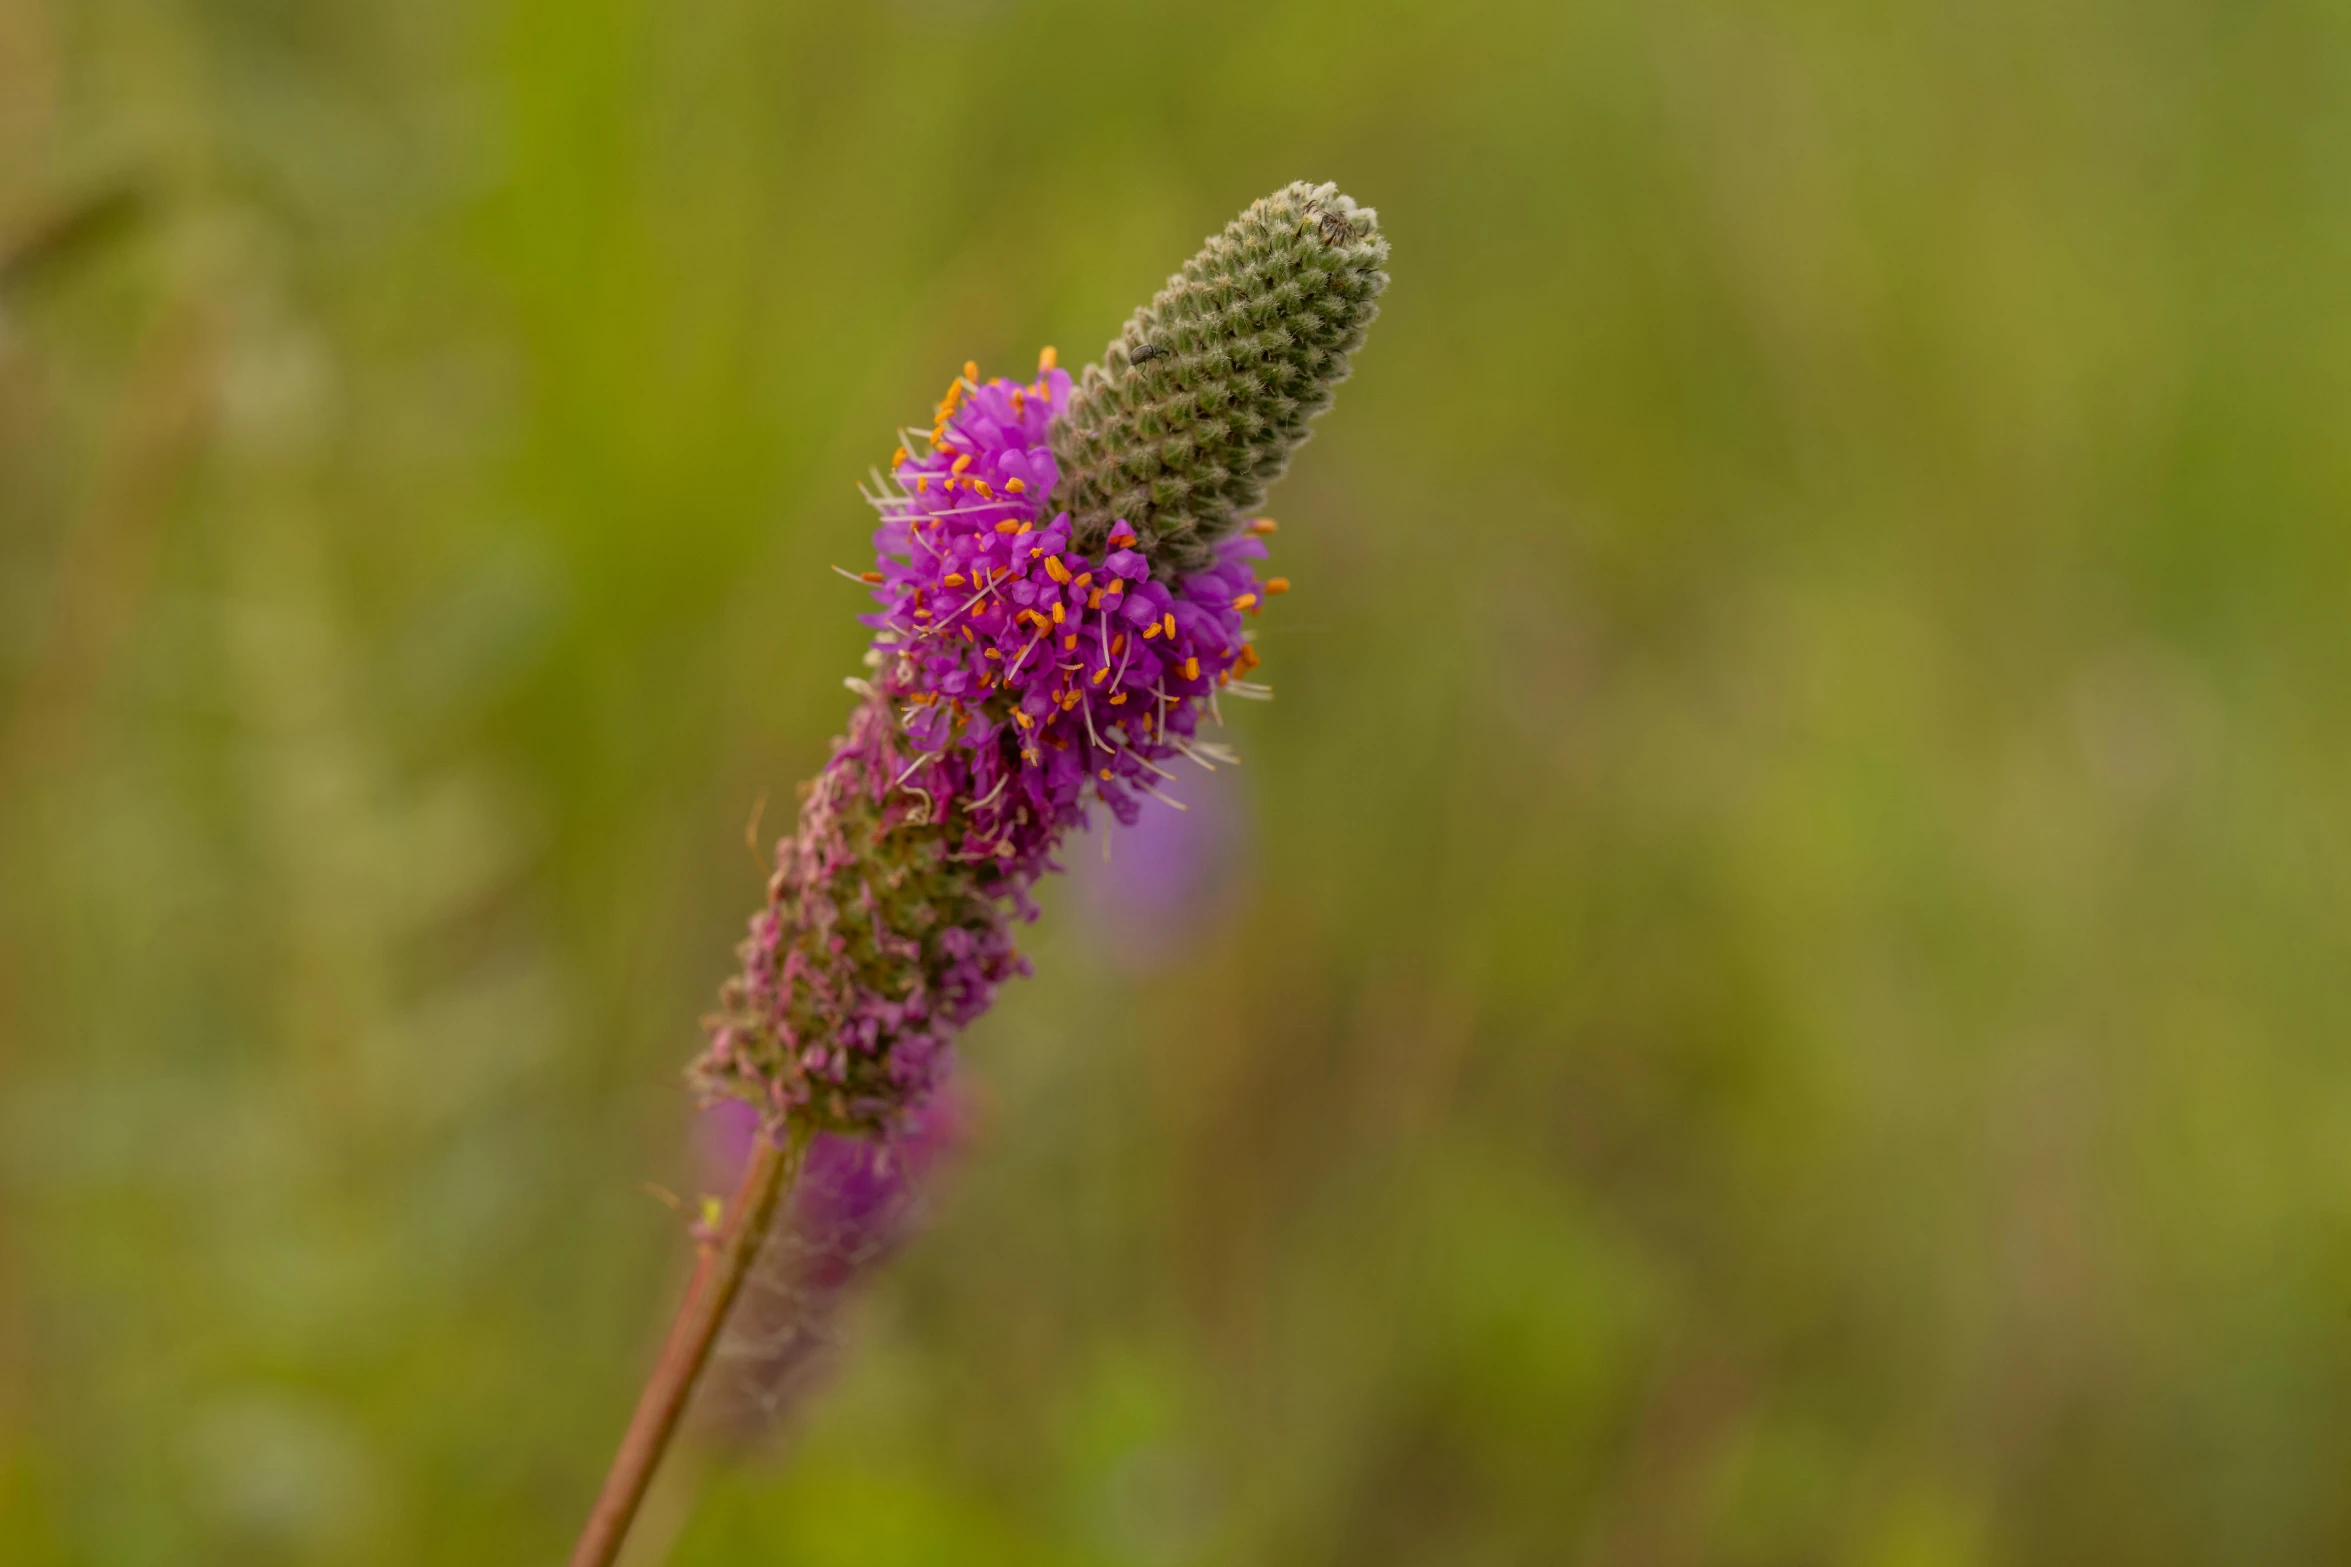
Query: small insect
pixel 1334 229
pixel 1145 354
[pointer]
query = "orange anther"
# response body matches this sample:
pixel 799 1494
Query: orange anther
pixel 1009 525
pixel 1264 525
pixel 1191 669
pixel 1167 624
pixel 1244 601
pixel 971 370
pixel 1058 617
pixel 1047 359
pixel 1274 585
pixel 1055 569
pixel 1015 487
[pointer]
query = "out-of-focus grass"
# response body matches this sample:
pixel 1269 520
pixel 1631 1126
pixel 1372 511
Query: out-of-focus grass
pixel 1786 998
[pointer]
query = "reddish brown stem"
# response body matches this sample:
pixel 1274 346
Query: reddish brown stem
pixel 719 1272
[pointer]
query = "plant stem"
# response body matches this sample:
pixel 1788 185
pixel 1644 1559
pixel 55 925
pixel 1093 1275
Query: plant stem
pixel 719 1272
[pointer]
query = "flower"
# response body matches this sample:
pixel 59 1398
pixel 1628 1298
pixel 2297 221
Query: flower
pixel 1016 681
pixel 1031 674
pixel 1029 659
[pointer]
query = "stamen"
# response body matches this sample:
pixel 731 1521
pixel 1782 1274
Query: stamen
pixel 1014 667
pixel 1163 799
pixel 1274 585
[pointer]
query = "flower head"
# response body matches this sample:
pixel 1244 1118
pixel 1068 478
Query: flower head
pixel 1033 674
pixel 1036 650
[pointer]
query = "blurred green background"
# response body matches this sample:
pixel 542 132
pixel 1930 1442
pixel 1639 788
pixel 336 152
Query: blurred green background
pixel 1783 993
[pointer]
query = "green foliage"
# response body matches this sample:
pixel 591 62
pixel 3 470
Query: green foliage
pixel 1201 399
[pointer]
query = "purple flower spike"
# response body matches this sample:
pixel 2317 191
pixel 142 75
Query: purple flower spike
pixel 1018 682
pixel 988 609
pixel 1064 583
pixel 1064 579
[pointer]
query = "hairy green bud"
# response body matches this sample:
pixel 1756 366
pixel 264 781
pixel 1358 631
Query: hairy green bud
pixel 1199 402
